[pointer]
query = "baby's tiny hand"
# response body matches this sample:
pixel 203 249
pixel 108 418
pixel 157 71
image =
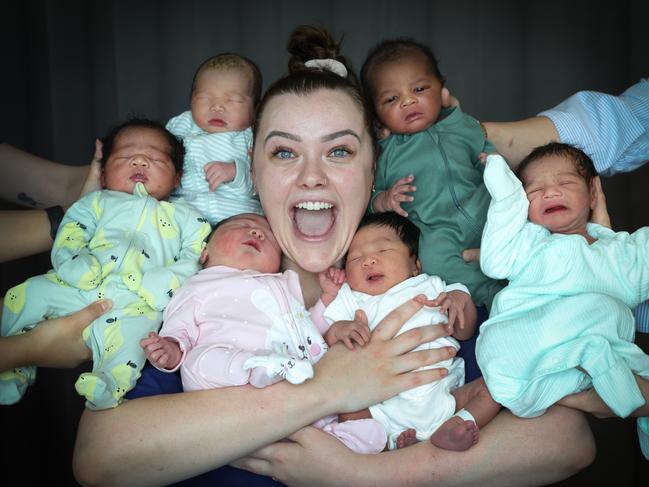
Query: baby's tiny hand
pixel 217 173
pixel 349 332
pixel 391 199
pixel 330 282
pixel 453 304
pixel 160 351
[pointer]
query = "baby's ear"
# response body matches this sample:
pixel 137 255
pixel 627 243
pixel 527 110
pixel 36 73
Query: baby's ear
pixel 417 270
pixel 204 256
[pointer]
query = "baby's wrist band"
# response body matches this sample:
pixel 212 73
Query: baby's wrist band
pixel 54 215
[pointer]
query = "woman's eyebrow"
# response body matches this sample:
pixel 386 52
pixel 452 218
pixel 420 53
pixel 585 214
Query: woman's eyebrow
pixel 340 133
pixel 279 133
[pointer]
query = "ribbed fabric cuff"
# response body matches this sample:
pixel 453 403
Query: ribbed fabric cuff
pixel 618 389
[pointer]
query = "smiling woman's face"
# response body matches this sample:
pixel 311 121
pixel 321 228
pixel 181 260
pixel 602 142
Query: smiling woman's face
pixel 313 167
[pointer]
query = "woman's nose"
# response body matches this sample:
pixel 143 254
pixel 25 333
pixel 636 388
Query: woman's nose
pixel 312 174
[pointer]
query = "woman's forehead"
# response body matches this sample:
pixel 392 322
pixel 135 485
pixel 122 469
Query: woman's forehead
pixel 321 111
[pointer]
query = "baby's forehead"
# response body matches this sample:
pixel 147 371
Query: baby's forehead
pixel 243 219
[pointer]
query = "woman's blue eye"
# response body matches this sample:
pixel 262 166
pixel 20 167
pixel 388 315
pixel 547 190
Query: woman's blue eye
pixel 339 152
pixel 283 154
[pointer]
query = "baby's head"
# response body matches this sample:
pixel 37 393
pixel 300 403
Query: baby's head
pixel 243 241
pixel 141 151
pixel 383 253
pixel 225 92
pixel 403 80
pixel 558 180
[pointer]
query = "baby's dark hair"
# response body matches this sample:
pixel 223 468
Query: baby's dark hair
pixel 229 60
pixel 582 162
pixel 406 230
pixel 176 152
pixel 391 50
pixel 308 43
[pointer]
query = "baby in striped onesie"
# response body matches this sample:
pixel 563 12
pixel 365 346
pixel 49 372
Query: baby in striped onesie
pixel 217 137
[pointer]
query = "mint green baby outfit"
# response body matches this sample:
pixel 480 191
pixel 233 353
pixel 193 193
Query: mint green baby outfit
pixel 564 322
pixel 450 205
pixel 130 248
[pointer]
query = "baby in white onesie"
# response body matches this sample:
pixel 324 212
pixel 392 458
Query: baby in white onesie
pixel 382 271
pixel 239 321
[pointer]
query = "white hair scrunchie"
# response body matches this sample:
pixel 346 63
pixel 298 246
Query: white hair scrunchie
pixel 328 64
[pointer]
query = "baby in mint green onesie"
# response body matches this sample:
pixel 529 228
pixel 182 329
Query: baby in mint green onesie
pixel 564 322
pixel 125 243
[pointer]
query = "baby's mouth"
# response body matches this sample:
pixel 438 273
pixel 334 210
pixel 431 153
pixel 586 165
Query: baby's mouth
pixel 374 276
pixel 216 122
pixel 139 178
pixel 554 209
pixel 314 218
pixel 254 244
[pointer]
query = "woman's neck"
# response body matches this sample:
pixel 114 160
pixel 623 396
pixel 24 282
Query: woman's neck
pixel 308 281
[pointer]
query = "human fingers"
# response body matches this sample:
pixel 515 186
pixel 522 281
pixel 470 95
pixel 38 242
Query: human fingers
pixel 439 299
pixel 413 361
pixel 339 276
pixel 99 148
pixel 355 336
pixel 452 315
pixel 600 213
pixel 348 342
pixel 411 339
pixel 449 100
pixel 396 207
pixel 393 321
pixel 364 331
pixel 471 255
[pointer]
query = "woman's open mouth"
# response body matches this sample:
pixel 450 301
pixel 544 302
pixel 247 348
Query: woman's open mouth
pixel 314 219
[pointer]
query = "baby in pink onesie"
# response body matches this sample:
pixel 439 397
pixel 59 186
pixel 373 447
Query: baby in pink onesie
pixel 240 321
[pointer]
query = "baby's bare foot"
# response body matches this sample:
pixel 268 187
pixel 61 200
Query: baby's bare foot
pixel 456 434
pixel 407 438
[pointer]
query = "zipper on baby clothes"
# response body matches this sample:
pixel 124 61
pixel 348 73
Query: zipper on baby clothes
pixel 451 186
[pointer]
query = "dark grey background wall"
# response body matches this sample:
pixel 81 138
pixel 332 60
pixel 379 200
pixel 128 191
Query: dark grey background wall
pixel 71 68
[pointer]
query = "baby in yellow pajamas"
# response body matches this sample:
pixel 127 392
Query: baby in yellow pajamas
pixel 125 243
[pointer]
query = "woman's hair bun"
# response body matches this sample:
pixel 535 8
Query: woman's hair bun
pixel 308 42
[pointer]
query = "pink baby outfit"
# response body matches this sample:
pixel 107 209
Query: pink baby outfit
pixel 223 317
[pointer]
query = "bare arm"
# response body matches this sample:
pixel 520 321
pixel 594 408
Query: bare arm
pixel 199 431
pixel 32 181
pixel 515 140
pixel 29 230
pixel 505 455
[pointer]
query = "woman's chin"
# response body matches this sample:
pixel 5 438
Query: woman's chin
pixel 314 256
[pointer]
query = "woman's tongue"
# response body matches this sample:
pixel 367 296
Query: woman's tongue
pixel 313 223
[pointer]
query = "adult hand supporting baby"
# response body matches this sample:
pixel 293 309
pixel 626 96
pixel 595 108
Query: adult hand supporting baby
pixel 382 368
